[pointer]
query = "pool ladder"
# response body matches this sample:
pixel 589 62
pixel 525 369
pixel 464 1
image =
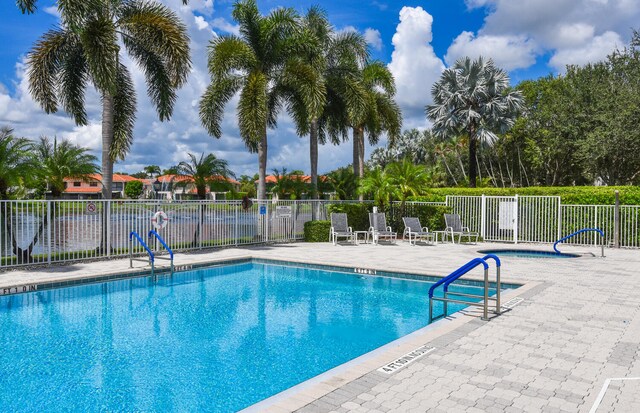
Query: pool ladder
pixel 152 257
pixel 446 281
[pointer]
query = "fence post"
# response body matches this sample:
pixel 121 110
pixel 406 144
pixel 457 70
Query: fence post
pixel 235 227
pixel 483 212
pixel 595 225
pixel 616 221
pixel 108 224
pixel 49 230
pixel 559 218
pixel 515 222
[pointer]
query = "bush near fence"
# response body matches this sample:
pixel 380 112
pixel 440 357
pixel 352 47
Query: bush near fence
pixel 569 195
pixel 317 231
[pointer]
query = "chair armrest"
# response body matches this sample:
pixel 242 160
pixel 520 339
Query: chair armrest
pixel 332 230
pixel 389 229
pixel 466 229
pixel 449 229
pixel 350 229
pixel 425 229
pixel 372 229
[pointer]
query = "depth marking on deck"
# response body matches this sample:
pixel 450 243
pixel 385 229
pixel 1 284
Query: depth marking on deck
pixel 605 386
pixel 513 302
pixel 406 359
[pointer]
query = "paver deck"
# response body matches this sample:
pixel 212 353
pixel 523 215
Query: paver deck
pixel 579 325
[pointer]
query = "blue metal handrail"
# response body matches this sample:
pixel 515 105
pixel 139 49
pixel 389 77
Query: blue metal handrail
pixel 555 248
pixel 459 273
pixel 164 244
pixel 141 241
pixel 485 258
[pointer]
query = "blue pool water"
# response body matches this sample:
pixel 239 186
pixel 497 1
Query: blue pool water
pixel 208 340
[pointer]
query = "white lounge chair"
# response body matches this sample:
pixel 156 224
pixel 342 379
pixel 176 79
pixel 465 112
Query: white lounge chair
pixel 454 227
pixel 414 232
pixel 340 228
pixel 379 228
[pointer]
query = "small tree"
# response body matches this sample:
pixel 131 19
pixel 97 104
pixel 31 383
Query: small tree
pixel 133 189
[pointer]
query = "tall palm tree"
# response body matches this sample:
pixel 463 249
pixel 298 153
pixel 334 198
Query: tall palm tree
pixel 205 172
pixel 380 113
pixel 58 161
pixel 335 58
pixel 263 64
pixel 16 162
pixel 85 49
pixel 473 98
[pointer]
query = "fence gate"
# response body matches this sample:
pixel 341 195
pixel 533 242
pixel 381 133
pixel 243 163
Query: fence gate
pixel 499 218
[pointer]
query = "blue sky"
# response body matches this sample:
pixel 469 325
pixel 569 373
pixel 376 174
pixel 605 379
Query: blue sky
pixel 528 38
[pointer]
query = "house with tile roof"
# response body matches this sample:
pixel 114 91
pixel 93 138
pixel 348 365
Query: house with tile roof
pixel 91 188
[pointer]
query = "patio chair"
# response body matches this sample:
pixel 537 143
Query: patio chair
pixel 414 232
pixel 340 228
pixel 379 228
pixel 454 227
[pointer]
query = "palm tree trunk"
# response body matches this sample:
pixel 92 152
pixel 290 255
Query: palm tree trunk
pixel 473 172
pixel 361 153
pixel 356 149
pixel 262 166
pixel 107 165
pixel 107 141
pixel 313 153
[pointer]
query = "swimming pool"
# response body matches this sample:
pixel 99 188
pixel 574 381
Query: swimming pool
pixel 210 339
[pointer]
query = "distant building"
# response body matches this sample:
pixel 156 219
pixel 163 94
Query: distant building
pixel 180 187
pixel 92 187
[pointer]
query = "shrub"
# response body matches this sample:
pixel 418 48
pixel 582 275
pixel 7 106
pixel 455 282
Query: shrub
pixel 317 231
pixel 431 216
pixel 569 195
pixel 235 196
pixel 357 214
pixel 133 189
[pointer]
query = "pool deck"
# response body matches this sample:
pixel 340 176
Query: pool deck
pixel 564 348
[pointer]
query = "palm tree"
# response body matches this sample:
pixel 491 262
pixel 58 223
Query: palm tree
pixel 473 98
pixel 335 59
pixel 380 113
pixel 205 172
pixel 344 183
pixel 152 170
pixel 16 162
pixel 85 50
pixel 379 184
pixel 261 63
pixel 409 179
pixel 57 161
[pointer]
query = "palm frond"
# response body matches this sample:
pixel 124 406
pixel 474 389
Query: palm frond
pixel 101 49
pixel 43 62
pixel 252 110
pixel 230 53
pixel 124 109
pixel 213 101
pixel 73 78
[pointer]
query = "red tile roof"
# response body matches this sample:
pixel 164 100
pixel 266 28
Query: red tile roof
pixel 83 190
pixel 182 178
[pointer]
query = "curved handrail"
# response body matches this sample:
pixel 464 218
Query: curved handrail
pixel 555 248
pixel 485 258
pixel 141 241
pixel 458 273
pixel 164 244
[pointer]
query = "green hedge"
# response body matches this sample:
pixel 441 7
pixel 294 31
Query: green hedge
pixel 317 231
pixel 357 214
pixel 431 216
pixel 571 195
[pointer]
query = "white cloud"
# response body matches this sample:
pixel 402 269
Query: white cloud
pixel 373 38
pixel 571 31
pixel 223 25
pixel 595 50
pixel 508 52
pixel 414 64
pixel 52 10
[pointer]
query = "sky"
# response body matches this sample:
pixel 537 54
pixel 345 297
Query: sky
pixel 416 39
